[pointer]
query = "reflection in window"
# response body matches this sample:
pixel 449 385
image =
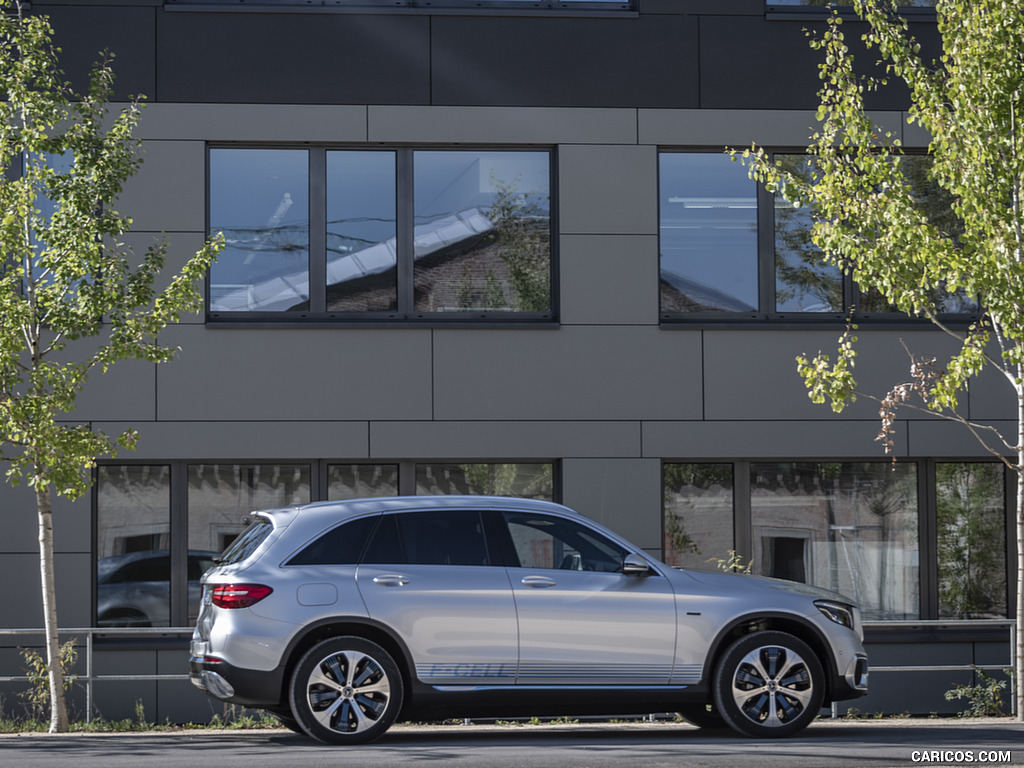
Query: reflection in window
pixel 133 539
pixel 850 527
pixel 259 199
pixel 902 3
pixel 708 228
pixel 527 481
pixel 482 232
pixel 698 507
pixel 221 495
pixel 970 507
pixel 803 281
pixel 553 543
pixel 362 272
pixel 357 481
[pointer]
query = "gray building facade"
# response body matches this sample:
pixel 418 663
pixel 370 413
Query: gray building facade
pixel 679 422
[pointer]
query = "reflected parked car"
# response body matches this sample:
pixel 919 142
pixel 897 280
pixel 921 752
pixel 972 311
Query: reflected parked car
pixel 340 617
pixel 133 590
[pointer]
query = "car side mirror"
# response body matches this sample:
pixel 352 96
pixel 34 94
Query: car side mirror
pixel 634 565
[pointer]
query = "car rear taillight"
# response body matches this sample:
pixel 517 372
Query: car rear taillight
pixel 238 595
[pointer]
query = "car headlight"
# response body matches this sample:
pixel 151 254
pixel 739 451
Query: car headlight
pixel 837 612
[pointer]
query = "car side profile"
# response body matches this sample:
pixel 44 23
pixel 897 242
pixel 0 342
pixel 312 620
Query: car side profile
pixel 341 617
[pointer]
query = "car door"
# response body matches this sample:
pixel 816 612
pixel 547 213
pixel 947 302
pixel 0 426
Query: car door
pixel 581 620
pixel 428 576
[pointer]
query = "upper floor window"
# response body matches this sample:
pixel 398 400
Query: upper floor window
pixel 381 234
pixel 730 250
pixel 841 4
pixel 460 5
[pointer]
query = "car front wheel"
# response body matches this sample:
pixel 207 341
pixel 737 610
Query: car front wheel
pixel 769 684
pixel 346 690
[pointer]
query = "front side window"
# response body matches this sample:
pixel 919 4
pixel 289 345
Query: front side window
pixel 381 235
pixel 554 543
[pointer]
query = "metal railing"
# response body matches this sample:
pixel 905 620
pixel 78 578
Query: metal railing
pixel 90 678
pixel 960 625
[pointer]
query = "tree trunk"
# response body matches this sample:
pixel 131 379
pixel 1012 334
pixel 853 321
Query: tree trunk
pixel 1019 650
pixel 58 702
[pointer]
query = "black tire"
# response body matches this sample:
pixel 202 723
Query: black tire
pixel 702 715
pixel 769 684
pixel 345 690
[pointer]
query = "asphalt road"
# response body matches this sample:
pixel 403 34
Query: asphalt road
pixel 839 743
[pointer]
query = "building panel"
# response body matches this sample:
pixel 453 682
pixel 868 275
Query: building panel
pixel 620 493
pixel 497 440
pixel 332 59
pixel 83 33
pixel 580 372
pixel 608 190
pixel 295 375
pixel 501 125
pixel 608 279
pixel 578 62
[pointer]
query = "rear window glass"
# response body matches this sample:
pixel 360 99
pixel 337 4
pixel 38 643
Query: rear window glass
pixel 247 542
pixel 342 545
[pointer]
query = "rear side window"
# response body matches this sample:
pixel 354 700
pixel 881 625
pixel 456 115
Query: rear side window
pixel 443 537
pixel 342 545
pixel 247 542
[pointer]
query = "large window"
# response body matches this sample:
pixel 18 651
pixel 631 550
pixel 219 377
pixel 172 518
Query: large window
pixel 698 508
pixel 381 235
pixel 917 539
pixel 971 533
pixel 731 251
pixel 851 527
pixel 160 526
pixel 133 539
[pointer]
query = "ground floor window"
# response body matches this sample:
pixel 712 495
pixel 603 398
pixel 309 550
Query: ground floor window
pixel 159 526
pixel 919 539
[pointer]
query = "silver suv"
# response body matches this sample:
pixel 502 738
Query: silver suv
pixel 339 617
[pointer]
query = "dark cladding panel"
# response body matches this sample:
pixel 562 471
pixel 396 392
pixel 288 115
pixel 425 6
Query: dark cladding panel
pixel 750 63
pixel 582 62
pixel 300 58
pixel 82 33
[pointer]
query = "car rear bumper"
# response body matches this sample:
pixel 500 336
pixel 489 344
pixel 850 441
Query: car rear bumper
pixel 247 687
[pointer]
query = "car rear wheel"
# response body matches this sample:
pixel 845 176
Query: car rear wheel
pixel 769 684
pixel 346 690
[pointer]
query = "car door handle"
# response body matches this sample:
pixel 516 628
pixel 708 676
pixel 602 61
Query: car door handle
pixel 538 582
pixel 391 580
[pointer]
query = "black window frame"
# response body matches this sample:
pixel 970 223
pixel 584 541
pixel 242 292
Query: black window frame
pixel 319 468
pixel 766 315
pixel 405 315
pixel 927 520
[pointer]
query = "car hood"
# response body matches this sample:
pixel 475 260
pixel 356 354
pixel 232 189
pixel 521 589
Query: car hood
pixel 746 583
